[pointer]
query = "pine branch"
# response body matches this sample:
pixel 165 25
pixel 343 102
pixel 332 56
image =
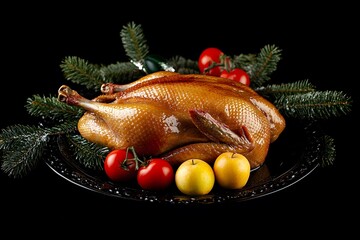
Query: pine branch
pixel 314 105
pixel 265 64
pixel 67 127
pixel 19 134
pixel 92 76
pixel 86 153
pixel 285 89
pixel 329 151
pixel 51 108
pixel 322 147
pixel 121 72
pixel 23 147
pixel 82 72
pixel 244 61
pixel 134 42
pixel 183 65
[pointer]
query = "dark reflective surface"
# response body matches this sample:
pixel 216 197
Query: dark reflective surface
pixel 291 158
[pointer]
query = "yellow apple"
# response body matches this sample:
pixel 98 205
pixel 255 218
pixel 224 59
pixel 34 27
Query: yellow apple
pixel 195 177
pixel 232 170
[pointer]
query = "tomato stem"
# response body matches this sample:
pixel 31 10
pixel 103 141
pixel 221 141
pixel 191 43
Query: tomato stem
pixel 136 158
pixel 225 63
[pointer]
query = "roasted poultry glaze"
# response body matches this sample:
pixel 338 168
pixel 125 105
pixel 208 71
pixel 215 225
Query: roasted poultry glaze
pixel 178 117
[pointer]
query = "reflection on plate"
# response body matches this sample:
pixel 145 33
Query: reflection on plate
pixel 292 157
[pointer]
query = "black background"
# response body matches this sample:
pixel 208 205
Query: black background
pixel 317 45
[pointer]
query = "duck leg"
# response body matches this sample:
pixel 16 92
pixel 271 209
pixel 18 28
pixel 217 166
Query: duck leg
pixel 222 139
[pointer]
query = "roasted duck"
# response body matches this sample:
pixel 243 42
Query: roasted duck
pixel 179 116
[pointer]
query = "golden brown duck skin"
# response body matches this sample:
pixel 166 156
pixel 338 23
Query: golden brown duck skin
pixel 179 117
pixel 147 125
pixel 276 120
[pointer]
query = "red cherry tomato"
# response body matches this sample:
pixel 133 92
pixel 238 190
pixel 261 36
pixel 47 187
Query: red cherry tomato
pixel 236 74
pixel 207 57
pixel 117 169
pixel 156 174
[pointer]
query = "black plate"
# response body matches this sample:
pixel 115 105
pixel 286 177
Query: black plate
pixel 293 156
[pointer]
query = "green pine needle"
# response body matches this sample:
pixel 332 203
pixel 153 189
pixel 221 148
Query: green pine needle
pixel 314 105
pixel 285 89
pixel 183 65
pixel 134 42
pixel 244 61
pixel 322 147
pixel 51 108
pixel 86 153
pixel 68 126
pixel 23 148
pixel 92 76
pixel 20 134
pixel 120 72
pixel 264 65
pixel 329 152
pixel 82 72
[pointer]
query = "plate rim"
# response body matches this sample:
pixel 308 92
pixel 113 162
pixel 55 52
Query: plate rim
pixel 78 176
